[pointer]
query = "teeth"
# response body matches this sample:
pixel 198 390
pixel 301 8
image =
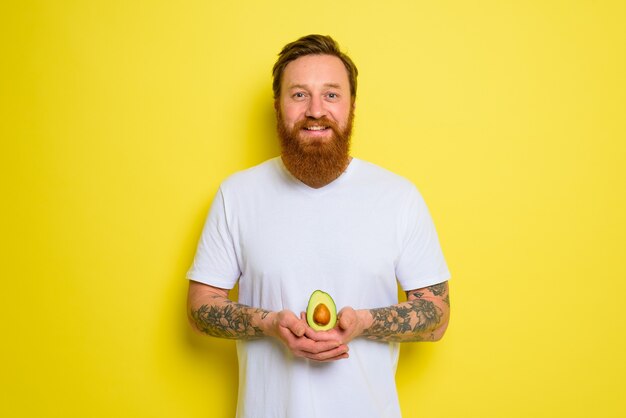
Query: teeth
pixel 316 128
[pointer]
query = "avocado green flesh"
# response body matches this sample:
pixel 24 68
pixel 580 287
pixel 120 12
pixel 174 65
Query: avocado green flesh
pixel 319 297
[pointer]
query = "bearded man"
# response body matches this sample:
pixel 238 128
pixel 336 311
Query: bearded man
pixel 317 218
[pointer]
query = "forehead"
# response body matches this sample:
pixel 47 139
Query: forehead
pixel 316 70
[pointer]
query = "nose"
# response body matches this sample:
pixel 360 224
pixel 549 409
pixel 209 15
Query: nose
pixel 315 108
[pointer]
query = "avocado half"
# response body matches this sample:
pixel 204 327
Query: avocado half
pixel 321 312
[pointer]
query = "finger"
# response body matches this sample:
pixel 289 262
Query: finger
pixel 291 322
pixel 296 328
pixel 330 335
pixel 306 344
pixel 346 323
pixel 321 358
pixel 303 319
pixel 331 355
pixel 346 318
pixel 343 356
pixel 317 347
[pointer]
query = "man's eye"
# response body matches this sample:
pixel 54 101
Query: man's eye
pixel 332 95
pixel 298 95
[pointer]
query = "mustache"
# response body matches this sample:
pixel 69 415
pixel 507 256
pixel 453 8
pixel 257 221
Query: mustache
pixel 309 123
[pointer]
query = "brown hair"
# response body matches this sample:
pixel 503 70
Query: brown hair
pixel 312 45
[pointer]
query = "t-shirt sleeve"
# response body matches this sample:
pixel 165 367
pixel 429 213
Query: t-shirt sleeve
pixel 215 262
pixel 421 262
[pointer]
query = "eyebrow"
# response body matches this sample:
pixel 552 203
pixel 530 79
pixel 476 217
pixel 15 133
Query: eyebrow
pixel 304 86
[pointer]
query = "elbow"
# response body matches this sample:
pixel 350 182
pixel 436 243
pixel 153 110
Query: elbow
pixel 192 318
pixel 438 333
pixel 191 321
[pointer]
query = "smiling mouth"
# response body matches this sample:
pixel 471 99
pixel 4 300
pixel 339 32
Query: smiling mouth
pixel 315 128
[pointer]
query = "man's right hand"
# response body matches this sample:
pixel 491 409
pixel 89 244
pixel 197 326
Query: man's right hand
pixel 290 329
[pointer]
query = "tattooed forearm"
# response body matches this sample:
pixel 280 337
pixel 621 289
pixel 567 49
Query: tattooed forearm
pixel 411 321
pixel 228 320
pixel 423 317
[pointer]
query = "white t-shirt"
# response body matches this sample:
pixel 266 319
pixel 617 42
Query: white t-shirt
pixel 352 239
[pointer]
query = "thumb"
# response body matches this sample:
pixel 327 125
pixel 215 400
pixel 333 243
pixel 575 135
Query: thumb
pixel 298 328
pixel 346 318
pixel 295 325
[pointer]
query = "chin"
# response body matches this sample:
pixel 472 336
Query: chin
pixel 304 140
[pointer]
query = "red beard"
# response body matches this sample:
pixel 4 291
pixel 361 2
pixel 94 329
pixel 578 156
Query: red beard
pixel 316 163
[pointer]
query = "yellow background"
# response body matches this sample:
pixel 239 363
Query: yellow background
pixel 119 119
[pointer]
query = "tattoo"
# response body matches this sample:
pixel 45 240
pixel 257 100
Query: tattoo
pixel 231 320
pixel 415 293
pixel 438 289
pixel 412 322
pixel 447 300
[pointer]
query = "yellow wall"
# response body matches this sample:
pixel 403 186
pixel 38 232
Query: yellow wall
pixel 120 118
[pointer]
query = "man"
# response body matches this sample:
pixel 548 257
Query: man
pixel 316 218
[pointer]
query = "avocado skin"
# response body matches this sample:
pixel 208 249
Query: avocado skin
pixel 316 298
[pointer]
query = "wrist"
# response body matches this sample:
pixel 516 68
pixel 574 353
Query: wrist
pixel 365 319
pixel 268 324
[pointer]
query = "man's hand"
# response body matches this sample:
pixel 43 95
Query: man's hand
pixel 292 331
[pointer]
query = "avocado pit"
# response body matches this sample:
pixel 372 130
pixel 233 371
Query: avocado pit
pixel 321 314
